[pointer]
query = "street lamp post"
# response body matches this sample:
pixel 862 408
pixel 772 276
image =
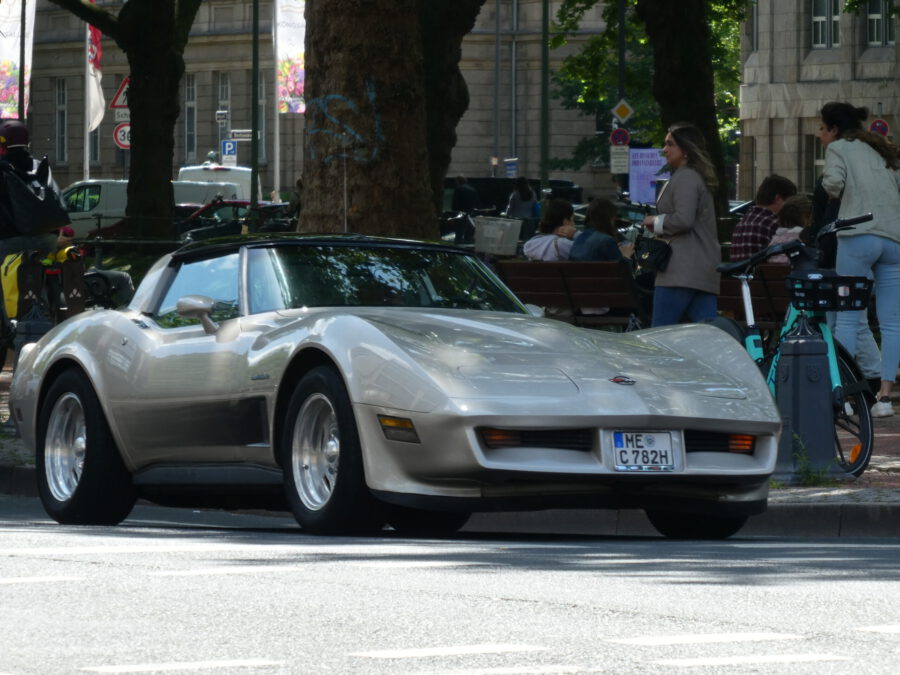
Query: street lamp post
pixel 22 26
pixel 545 95
pixel 254 118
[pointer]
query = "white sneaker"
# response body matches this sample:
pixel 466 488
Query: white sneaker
pixel 883 408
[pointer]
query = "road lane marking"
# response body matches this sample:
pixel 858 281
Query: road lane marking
pixel 404 564
pixel 752 659
pixel 700 639
pixel 460 650
pixel 513 670
pixel 185 665
pixel 36 580
pixel 886 628
pixel 221 571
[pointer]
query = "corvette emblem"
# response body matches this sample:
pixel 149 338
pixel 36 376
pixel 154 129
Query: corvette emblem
pixel 622 379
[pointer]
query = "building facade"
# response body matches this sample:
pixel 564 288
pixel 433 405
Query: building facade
pixel 798 55
pixel 501 64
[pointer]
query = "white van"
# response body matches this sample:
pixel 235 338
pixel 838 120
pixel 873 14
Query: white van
pixel 104 200
pixel 217 173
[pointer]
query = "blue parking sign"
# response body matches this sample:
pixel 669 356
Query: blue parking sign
pixel 229 148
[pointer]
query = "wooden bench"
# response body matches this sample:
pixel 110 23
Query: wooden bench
pixel 768 291
pixel 570 290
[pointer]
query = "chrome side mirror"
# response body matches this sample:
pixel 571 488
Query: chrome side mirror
pixel 198 307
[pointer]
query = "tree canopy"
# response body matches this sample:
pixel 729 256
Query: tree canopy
pixel 688 51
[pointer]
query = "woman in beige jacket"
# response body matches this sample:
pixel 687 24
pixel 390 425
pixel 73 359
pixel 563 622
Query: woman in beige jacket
pixel 687 220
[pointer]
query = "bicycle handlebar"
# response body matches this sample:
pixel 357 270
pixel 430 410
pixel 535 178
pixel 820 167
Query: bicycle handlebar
pixel 843 224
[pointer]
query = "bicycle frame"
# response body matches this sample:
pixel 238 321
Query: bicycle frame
pixel 754 345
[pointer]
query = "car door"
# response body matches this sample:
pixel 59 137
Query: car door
pixel 190 401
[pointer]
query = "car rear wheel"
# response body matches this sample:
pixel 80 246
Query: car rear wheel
pixel 322 459
pixel 423 522
pixel 675 525
pixel 81 477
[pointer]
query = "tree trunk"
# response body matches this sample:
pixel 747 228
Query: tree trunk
pixel 444 25
pixel 683 74
pixel 147 30
pixel 153 34
pixel 366 164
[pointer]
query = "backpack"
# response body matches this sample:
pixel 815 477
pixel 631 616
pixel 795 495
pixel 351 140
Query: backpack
pixel 30 206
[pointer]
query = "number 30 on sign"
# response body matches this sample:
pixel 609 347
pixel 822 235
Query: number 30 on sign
pixel 122 135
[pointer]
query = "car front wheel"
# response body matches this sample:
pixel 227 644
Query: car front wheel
pixel 322 459
pixel 81 477
pixel 676 525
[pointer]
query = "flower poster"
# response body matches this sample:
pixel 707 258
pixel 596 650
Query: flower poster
pixel 290 34
pixel 10 45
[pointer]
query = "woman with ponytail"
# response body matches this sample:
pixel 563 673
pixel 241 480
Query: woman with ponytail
pixel 863 170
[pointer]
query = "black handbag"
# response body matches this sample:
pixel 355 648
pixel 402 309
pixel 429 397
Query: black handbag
pixel 652 254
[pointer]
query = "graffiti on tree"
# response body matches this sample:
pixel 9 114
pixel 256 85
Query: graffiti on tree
pixel 339 130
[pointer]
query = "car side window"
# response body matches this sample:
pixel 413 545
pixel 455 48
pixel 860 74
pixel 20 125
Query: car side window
pixel 83 198
pixel 216 278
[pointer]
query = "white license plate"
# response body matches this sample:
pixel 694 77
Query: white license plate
pixel 643 451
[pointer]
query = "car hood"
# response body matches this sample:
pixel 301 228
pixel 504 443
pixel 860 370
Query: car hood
pixel 498 355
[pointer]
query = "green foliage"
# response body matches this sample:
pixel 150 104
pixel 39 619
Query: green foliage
pixel 856 6
pixel 808 475
pixel 589 80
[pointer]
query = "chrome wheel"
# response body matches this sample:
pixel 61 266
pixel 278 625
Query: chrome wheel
pixel 324 480
pixel 316 451
pixel 65 446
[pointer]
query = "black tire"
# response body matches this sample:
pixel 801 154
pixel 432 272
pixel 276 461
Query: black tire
pixel 854 433
pixel 675 525
pixel 82 479
pixel 321 458
pixel 732 327
pixel 423 522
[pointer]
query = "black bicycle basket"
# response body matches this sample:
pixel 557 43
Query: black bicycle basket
pixel 828 292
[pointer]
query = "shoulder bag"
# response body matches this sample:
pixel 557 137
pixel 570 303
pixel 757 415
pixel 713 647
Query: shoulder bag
pixel 652 254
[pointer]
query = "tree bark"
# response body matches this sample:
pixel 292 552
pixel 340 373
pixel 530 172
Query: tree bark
pixel 682 72
pixel 366 164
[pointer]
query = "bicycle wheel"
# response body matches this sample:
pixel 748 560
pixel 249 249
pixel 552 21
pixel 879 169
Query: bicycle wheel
pixel 730 326
pixel 854 436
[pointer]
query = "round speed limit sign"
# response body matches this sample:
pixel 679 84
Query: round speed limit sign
pixel 122 135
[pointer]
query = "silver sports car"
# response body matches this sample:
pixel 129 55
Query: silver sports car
pixel 360 381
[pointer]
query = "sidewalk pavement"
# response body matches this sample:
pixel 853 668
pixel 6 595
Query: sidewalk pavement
pixel 868 506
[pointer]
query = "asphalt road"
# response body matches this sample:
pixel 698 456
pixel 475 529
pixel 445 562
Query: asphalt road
pixel 189 592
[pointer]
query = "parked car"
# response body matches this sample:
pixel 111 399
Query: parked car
pixel 361 381
pixel 738 207
pixel 98 203
pixel 228 217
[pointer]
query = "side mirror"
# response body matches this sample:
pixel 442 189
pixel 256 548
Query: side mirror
pixel 198 307
pixel 534 310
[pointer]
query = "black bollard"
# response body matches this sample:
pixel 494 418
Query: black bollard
pixel 803 392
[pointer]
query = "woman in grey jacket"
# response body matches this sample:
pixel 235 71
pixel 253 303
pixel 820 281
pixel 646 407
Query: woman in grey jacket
pixel 687 220
pixel 863 170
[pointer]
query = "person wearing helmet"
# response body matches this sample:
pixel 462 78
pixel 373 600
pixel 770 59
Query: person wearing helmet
pixel 14 141
pixel 16 158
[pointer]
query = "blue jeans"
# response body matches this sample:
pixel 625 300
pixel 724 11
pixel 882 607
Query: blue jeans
pixel 670 303
pixel 857 256
pixel 868 356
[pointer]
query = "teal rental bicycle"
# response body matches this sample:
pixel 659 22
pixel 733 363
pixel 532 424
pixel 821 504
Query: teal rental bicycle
pixel 814 291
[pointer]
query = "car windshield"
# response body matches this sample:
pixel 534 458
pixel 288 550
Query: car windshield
pixel 291 277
